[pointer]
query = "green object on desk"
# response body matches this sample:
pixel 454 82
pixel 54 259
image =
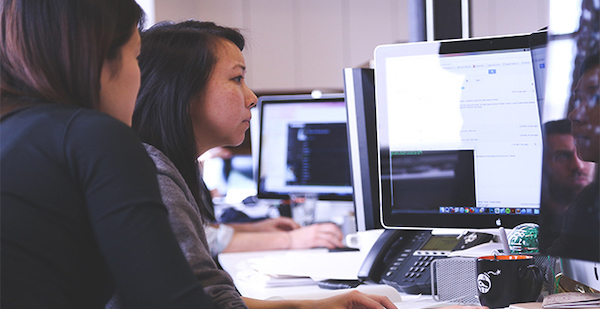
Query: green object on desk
pixel 524 239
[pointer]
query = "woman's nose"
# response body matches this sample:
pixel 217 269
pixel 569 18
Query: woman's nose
pixel 251 98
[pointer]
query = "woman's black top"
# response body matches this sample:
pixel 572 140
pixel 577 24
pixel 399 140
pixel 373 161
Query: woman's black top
pixel 81 216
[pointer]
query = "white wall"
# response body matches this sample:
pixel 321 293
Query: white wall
pixel 499 17
pixel 301 45
pixel 148 7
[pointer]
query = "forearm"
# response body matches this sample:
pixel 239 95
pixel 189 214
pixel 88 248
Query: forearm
pixel 274 304
pixel 243 227
pixel 352 299
pixel 266 225
pixel 241 242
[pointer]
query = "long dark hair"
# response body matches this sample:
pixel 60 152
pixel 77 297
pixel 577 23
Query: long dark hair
pixel 54 50
pixel 176 62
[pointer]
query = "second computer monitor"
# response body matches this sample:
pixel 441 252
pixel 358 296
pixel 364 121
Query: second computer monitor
pixel 359 87
pixel 459 133
pixel 303 147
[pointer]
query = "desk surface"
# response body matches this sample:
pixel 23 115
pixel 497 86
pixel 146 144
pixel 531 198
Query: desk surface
pixel 249 269
pixel 237 265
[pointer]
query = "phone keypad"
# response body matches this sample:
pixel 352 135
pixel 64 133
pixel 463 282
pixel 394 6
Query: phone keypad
pixel 419 266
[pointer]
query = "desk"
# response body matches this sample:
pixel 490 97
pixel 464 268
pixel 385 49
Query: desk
pixel 236 264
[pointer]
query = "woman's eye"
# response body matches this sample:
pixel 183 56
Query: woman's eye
pixel 238 79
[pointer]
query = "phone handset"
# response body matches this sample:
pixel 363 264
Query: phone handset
pixel 383 249
pixel 403 258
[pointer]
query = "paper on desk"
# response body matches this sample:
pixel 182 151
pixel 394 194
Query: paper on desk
pixel 377 289
pixel 316 265
pixel 572 300
pixel 268 281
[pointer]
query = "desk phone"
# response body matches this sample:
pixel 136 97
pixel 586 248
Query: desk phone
pixel 403 258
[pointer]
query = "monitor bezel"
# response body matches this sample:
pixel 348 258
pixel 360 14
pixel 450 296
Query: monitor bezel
pixel 359 87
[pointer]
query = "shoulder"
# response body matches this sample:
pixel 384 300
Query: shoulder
pixel 175 193
pixel 171 182
pixel 164 165
pixel 58 117
pixel 90 133
pixel 76 124
pixel 73 130
pixel 98 124
pixel 63 114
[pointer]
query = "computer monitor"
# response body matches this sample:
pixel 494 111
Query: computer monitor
pixel 572 92
pixel 303 147
pixel 459 133
pixel 359 88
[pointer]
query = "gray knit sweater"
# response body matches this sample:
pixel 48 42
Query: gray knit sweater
pixel 188 225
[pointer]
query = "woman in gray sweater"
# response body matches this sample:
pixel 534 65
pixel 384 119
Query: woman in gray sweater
pixel 193 97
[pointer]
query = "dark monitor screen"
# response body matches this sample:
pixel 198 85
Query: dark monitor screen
pixel 303 147
pixel 570 209
pixel 459 133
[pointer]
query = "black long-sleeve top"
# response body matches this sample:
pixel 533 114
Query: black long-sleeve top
pixel 81 216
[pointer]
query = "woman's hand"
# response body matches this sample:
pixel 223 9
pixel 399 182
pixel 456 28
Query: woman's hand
pixel 465 307
pixel 354 299
pixel 350 300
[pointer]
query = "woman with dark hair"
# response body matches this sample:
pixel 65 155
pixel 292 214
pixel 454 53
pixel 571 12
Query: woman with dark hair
pixel 193 98
pixel 169 118
pixel 81 209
